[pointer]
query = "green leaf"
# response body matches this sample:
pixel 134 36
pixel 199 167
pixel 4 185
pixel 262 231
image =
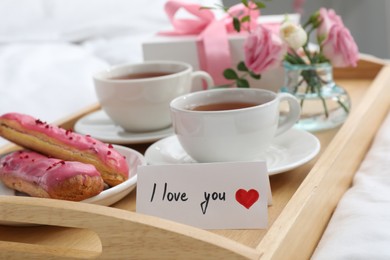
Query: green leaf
pixel 230 74
pixel 246 18
pixel 254 75
pixel 291 59
pixel 236 24
pixel 241 66
pixel 244 2
pixel 242 83
pixel 260 5
pixel 316 24
pixel 315 58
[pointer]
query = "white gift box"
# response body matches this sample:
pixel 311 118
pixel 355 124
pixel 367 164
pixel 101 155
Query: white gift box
pixel 184 48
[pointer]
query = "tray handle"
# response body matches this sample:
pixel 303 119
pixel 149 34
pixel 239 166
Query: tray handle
pixel 123 234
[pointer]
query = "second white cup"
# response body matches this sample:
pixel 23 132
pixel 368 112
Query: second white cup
pixel 235 124
pixel 137 96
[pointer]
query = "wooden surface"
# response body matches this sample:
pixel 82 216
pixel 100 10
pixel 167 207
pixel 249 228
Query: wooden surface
pixel 303 201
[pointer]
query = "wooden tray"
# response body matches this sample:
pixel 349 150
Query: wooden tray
pixel 303 198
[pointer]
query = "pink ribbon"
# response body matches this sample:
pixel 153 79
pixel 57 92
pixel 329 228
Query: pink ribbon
pixel 212 41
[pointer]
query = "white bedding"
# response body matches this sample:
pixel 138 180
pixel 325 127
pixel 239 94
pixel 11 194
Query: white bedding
pixel 47 80
pixel 360 226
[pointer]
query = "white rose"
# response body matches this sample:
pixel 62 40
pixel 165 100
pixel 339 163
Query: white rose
pixel 294 35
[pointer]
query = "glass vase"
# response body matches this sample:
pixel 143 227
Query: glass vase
pixel 324 105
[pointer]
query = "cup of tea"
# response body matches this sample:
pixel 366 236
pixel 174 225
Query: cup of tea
pixel 137 96
pixel 231 124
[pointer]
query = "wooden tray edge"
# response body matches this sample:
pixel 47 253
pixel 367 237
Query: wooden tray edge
pixel 122 233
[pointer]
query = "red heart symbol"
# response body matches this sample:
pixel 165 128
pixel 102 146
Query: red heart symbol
pixel 247 198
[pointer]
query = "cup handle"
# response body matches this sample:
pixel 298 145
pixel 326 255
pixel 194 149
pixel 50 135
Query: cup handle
pixel 202 75
pixel 293 114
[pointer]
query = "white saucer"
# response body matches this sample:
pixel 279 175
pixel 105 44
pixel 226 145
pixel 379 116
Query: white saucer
pixel 108 196
pixel 288 151
pixel 101 127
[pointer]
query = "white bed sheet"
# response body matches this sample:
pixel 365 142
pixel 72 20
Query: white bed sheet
pixel 360 225
pixel 47 80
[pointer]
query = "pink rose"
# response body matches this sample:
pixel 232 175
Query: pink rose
pixel 327 18
pixel 264 49
pixel 338 44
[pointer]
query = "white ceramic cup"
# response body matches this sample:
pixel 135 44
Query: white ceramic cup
pixel 142 104
pixel 241 134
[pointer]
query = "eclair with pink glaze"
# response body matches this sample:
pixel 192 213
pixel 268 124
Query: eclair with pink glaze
pixel 66 145
pixel 40 176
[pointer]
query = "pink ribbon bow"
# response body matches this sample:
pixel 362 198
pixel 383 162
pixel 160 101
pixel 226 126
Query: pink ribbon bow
pixel 212 41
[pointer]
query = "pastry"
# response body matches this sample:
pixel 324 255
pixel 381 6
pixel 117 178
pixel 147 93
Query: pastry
pixel 57 142
pixel 40 176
